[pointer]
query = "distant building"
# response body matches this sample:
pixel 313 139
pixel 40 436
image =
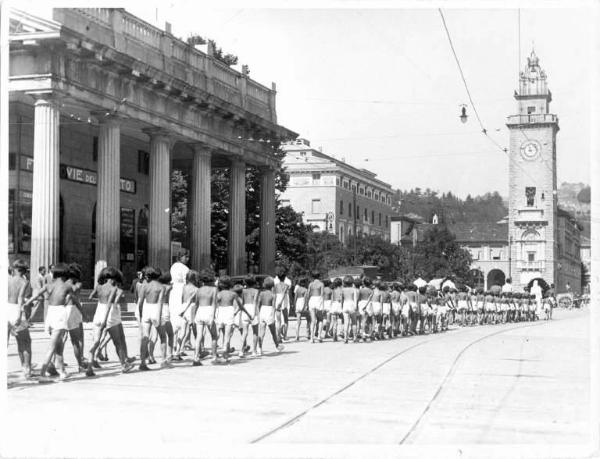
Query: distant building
pixel 585 253
pixel 404 229
pixel 334 196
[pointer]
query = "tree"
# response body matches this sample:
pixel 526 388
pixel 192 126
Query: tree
pixel 291 238
pixel 325 252
pixel 585 195
pixel 439 255
pixel 179 229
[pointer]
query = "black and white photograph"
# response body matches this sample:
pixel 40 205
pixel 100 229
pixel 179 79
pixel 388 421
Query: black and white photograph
pixel 300 229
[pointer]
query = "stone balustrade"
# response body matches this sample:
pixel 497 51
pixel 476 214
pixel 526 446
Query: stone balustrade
pixel 533 118
pixel 116 28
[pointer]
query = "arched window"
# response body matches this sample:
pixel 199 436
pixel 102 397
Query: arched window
pixel 531 235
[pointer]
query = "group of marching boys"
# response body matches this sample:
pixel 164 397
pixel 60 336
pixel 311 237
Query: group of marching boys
pixel 179 313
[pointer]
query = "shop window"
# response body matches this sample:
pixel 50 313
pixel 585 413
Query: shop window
pixel 143 162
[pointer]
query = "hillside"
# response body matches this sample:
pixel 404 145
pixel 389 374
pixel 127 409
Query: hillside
pixel 489 208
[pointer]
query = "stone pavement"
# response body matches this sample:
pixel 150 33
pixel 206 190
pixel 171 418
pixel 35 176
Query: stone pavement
pixel 522 383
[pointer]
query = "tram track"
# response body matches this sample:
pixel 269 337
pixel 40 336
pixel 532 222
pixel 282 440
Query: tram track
pixel 293 420
pixel 451 370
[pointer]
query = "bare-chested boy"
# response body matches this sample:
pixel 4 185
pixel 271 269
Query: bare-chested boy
pixel 188 311
pixel 206 299
pixel 336 306
pixel 249 298
pixel 350 308
pixel 59 292
pixel 301 306
pixel 150 303
pixel 365 308
pixel 75 315
pixel 265 302
pixel 315 305
pixel 17 324
pixel 228 302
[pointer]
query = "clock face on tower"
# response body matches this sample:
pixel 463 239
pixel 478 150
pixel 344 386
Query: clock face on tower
pixel 530 149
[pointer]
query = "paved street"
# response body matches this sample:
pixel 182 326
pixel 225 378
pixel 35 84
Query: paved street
pixel 505 384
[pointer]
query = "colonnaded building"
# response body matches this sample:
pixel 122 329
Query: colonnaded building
pixel 102 106
pixel 334 196
pixel 538 239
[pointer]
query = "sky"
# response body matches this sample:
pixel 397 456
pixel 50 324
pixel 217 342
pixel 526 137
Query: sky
pixel 381 88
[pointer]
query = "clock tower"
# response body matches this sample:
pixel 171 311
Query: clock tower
pixel 532 222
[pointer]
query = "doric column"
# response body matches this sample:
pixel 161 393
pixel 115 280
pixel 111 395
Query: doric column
pixel 200 207
pixel 267 221
pixel 108 205
pixel 45 211
pixel 159 226
pixel 237 218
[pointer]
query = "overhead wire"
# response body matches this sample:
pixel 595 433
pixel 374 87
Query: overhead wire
pixel 483 129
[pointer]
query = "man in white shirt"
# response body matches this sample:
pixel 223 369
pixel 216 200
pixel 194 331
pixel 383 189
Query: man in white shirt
pixel 507 287
pixel 179 272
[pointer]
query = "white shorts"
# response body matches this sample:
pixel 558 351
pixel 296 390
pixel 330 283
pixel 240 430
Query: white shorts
pixel 316 303
pixel 361 308
pixel 377 308
pixel 251 310
pixel 424 309
pixel 204 315
pixel 462 305
pixel 14 314
pixel 267 315
pixel 56 318
pixel 480 305
pixel 396 308
pixel 349 307
pixel 224 315
pixel 149 314
pixel 299 305
pixel 387 308
pixel 327 305
pixel 100 313
pixel 547 306
pixel 406 310
pixel 280 301
pixel 336 307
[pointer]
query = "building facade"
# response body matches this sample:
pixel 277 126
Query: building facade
pixel 334 196
pixel 533 221
pixel 102 107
